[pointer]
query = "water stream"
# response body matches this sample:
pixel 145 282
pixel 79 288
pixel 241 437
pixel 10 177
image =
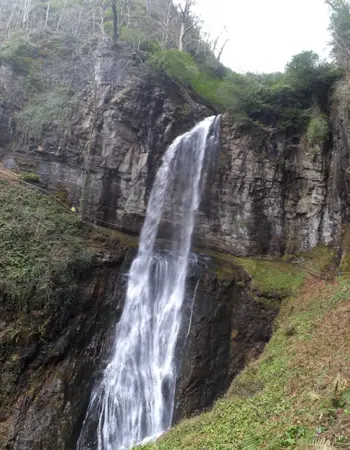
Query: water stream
pixel 134 401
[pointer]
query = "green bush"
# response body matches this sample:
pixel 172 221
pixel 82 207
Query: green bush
pixel 139 38
pixel 108 28
pixel 178 65
pixel 280 100
pixel 18 51
pixel 181 67
pixel 42 251
pixel 30 177
pixel 318 131
pixel 44 108
pixel 149 46
pixel 35 82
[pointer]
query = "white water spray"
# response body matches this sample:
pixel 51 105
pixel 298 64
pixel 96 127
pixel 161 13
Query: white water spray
pixel 135 400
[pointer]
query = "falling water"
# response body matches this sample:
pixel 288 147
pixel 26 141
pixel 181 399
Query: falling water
pixel 134 401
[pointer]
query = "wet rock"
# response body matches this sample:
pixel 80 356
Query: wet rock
pixel 46 377
pixel 225 327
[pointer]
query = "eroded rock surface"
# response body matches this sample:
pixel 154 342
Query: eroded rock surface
pixel 225 327
pixel 50 360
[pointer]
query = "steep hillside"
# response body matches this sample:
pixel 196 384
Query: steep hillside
pixel 91 96
pixel 58 306
pixel 297 394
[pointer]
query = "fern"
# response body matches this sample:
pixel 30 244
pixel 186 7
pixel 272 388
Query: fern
pixel 322 443
pixel 250 443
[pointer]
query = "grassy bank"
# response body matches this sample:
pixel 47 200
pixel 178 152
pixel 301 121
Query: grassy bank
pixel 44 250
pixel 297 395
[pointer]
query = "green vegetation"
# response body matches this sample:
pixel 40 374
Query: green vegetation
pixel 318 131
pixel 340 29
pixel 320 260
pixel 42 251
pixel 48 99
pixel 138 38
pixel 30 177
pixel 18 51
pixel 281 101
pixel 44 108
pixel 273 277
pixel 296 396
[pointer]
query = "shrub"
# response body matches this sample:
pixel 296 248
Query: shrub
pixel 108 28
pixel 42 251
pixel 18 51
pixel 149 46
pixel 279 100
pixel 30 177
pixel 42 109
pixel 318 131
pixel 178 65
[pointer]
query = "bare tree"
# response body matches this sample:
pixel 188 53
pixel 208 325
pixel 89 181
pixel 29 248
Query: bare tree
pixel 340 28
pixel 187 21
pixel 47 13
pixel 222 49
pixel 170 14
pixel 115 21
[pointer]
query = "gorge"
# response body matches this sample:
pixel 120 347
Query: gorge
pixel 198 296
pixel 135 399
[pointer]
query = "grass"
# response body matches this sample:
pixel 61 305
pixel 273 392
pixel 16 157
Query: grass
pixel 282 101
pixel 270 277
pixel 42 248
pixel 273 277
pixel 47 256
pixel 296 394
pixel 320 260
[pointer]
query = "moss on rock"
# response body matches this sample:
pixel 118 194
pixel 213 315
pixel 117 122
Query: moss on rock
pixel 296 393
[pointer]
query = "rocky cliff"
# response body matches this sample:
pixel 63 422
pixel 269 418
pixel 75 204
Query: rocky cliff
pixel 270 194
pixel 266 194
pixel 56 335
pixel 52 342
pixel 137 117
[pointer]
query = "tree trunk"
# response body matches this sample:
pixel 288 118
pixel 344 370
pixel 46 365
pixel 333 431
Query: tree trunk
pixel 222 49
pixel 115 21
pixel 181 39
pixel 47 14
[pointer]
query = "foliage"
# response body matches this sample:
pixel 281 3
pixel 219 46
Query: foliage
pixel 18 51
pixel 42 251
pixel 286 398
pixel 43 109
pixel 273 277
pixel 139 39
pixel 318 131
pixel 340 29
pixel 30 177
pixel 320 260
pixel 178 65
pixel 282 100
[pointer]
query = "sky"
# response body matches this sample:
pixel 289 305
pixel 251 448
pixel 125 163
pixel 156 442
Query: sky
pixel 265 34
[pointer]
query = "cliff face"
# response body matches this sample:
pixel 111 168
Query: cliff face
pixel 49 359
pixel 264 195
pixel 273 197
pixel 224 327
pixel 137 116
pixel 268 194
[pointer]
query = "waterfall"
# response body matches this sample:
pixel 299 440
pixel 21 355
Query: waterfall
pixel 134 401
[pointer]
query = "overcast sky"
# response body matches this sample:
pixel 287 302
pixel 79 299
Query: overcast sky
pixel 265 34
